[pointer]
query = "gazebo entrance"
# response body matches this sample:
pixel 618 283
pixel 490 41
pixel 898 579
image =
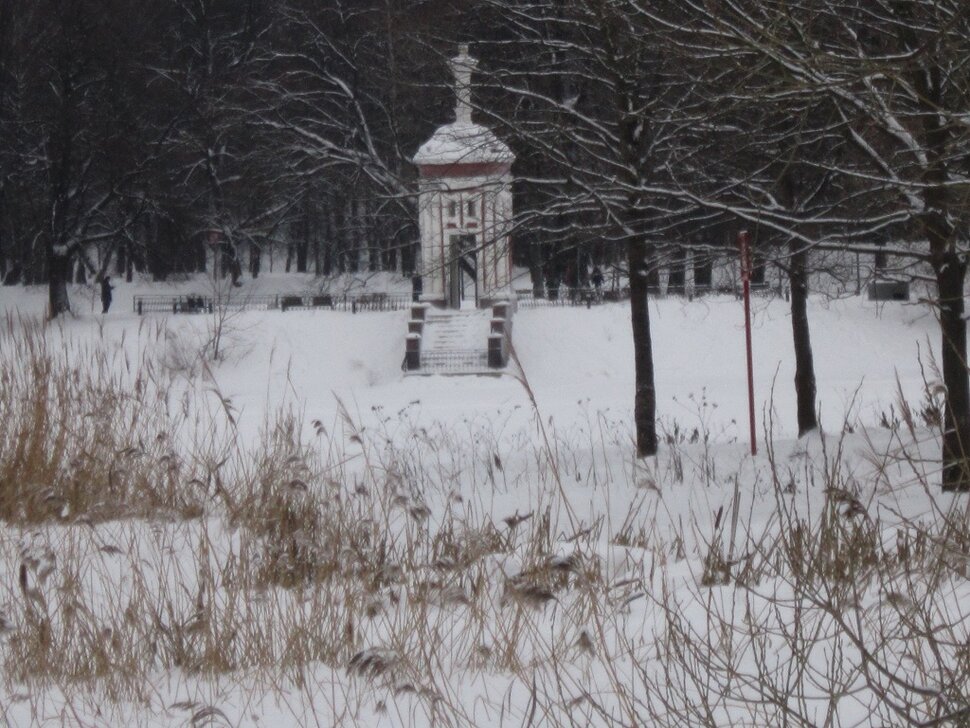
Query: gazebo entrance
pixel 462 271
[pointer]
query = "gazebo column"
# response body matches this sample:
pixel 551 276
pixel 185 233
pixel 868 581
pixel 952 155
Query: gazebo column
pixel 432 262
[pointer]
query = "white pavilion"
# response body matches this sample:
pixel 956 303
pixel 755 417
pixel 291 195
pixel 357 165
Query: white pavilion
pixel 465 206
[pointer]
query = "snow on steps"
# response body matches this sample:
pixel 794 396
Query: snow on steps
pixel 456 341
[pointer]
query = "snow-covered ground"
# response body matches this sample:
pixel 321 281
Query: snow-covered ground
pixel 576 360
pixel 513 631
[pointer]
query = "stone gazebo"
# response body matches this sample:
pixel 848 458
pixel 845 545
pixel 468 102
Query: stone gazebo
pixel 465 206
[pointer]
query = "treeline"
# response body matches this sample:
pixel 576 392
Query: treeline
pixel 137 136
pixel 134 134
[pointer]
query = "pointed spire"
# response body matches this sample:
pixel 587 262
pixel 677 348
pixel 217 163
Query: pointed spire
pixel 463 65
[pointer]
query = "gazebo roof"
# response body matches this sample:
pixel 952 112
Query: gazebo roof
pixel 463 142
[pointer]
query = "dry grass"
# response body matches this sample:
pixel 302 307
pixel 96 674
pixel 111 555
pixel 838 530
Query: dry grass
pixel 382 556
pixel 88 433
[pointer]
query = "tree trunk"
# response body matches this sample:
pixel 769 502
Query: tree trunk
pixel 950 274
pixel 129 262
pixel 58 270
pixel 301 255
pixel 535 270
pixel 80 272
pixel 329 240
pixel 645 399
pixel 201 254
pixel 804 365
pixel 317 268
pixel 121 260
pixel 303 237
pixel 254 260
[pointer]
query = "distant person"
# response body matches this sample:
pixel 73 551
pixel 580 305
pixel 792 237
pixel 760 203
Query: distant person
pixel 106 289
pixel 597 278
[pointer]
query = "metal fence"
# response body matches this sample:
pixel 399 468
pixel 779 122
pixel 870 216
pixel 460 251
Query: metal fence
pixel 198 303
pixel 247 303
pixel 191 303
pixel 592 296
pixel 571 297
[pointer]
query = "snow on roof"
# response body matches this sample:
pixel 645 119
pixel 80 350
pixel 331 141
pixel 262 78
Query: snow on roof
pixel 463 142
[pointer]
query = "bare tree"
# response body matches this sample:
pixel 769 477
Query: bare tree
pixel 344 99
pixel 589 90
pixel 891 82
pixel 69 111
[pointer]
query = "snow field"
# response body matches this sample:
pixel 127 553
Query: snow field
pixel 326 542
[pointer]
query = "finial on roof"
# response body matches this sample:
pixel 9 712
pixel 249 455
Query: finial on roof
pixel 463 65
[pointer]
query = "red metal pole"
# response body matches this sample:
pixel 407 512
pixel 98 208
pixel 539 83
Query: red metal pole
pixel 744 241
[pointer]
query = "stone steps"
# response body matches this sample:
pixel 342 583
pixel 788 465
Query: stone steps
pixel 457 361
pixel 455 342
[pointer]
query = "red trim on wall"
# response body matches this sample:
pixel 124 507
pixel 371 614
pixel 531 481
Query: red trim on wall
pixel 469 169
